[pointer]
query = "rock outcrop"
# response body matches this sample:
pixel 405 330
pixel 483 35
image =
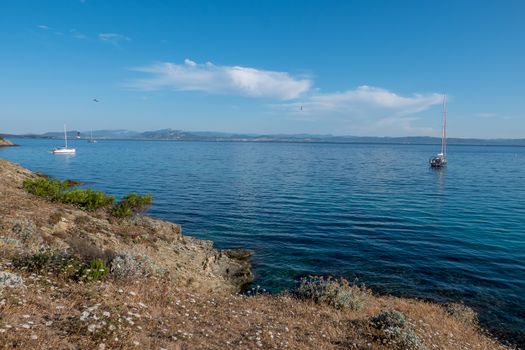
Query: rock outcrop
pixel 4 142
pixel 27 223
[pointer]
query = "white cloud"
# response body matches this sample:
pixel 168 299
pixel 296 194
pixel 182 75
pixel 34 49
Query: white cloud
pixel 365 99
pixel 113 38
pixel 235 80
pixel 43 27
pixel 367 110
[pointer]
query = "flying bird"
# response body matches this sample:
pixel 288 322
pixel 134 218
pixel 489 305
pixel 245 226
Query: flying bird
pixel 95 100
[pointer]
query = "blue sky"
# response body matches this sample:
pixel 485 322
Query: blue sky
pixel 355 67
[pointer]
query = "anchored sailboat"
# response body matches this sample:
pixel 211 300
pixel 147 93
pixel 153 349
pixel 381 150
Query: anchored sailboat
pixel 440 159
pixel 64 150
pixel 91 139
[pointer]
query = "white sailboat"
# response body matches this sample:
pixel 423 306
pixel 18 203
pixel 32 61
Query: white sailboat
pixel 65 149
pixel 91 140
pixel 440 160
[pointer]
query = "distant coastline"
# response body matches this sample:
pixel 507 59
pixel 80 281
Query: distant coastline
pixel 180 135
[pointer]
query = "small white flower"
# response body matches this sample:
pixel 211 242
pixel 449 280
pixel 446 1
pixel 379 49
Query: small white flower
pixel 84 316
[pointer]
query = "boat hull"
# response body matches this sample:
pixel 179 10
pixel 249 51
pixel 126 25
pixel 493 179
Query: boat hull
pixel 64 151
pixel 438 162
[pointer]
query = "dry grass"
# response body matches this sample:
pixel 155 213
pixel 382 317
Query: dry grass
pixel 154 313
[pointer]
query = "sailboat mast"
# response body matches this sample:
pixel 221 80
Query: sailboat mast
pixel 444 131
pixel 65 134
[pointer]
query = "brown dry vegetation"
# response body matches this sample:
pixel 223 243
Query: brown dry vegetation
pixel 187 303
pixel 155 313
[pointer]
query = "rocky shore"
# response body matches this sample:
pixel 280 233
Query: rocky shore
pixel 160 289
pixel 4 142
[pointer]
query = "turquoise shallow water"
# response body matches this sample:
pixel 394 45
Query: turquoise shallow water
pixel 377 213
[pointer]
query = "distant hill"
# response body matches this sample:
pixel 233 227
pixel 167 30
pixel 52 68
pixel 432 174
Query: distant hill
pixel 181 135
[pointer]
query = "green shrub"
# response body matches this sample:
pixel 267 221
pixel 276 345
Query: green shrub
pixel 96 270
pixel 48 261
pixel 87 199
pixel 390 327
pixel 56 190
pixel 337 293
pixel 63 264
pixel 132 204
pixel 388 319
pixel 42 187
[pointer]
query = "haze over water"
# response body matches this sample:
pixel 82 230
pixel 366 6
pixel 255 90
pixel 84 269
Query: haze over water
pixel 377 213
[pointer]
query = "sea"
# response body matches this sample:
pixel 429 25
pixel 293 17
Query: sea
pixel 375 214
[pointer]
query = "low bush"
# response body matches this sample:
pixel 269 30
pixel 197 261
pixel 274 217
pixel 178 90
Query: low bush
pixel 126 266
pixel 462 313
pixel 88 251
pixel 49 261
pixel 132 204
pixel 402 339
pixel 56 190
pixel 24 229
pixel 389 327
pixel 62 264
pixel 388 318
pixel 87 199
pixel 95 271
pixel 44 187
pixel 337 293
pixel 10 280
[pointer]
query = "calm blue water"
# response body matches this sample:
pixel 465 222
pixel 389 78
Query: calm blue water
pixel 377 213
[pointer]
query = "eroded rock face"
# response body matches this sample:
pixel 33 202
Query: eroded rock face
pixel 233 265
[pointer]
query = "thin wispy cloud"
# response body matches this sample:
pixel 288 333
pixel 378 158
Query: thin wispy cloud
pixel 113 38
pixel 368 109
pixel 76 34
pixel 364 99
pixel 43 27
pixel 216 79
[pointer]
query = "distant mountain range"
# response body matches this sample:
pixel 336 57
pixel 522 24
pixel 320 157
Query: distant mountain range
pixel 180 135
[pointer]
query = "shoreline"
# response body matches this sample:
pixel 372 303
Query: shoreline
pixel 6 143
pixel 190 269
